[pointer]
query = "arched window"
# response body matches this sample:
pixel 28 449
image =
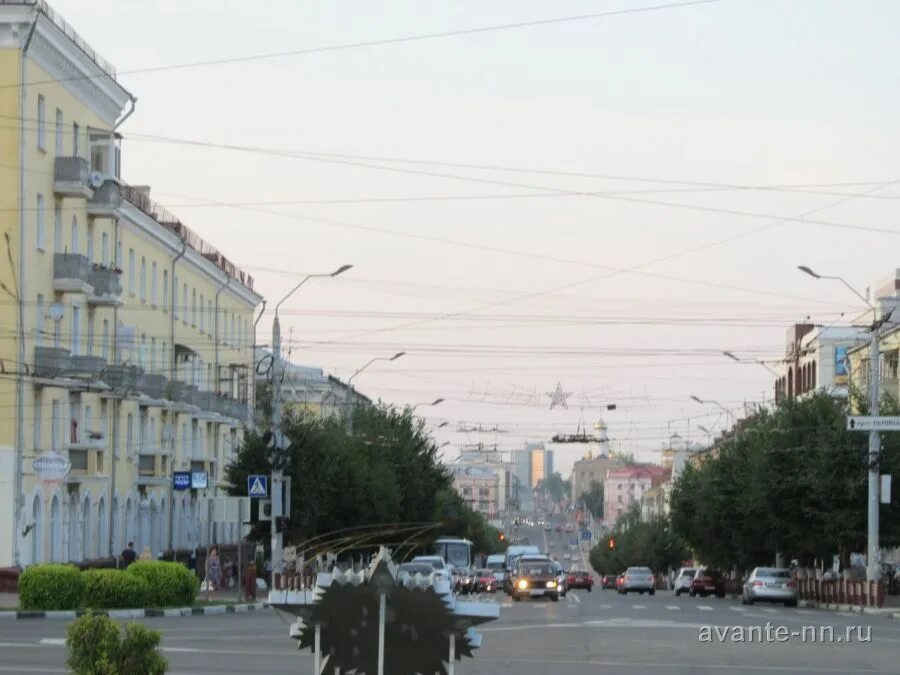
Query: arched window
pixel 37 530
pixel 73 528
pixel 790 376
pixel 87 531
pixel 56 531
pixel 116 528
pixel 102 529
pixel 813 374
pixel 129 522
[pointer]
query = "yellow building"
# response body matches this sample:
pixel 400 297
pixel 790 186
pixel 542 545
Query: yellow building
pixel 889 352
pixel 126 344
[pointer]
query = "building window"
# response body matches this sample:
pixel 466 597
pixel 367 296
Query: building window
pixel 90 333
pixel 104 248
pixel 119 258
pixel 233 335
pixel 76 331
pixel 75 238
pixel 104 346
pixel 210 316
pixel 41 234
pixel 76 134
pixel 153 355
pixel 59 133
pixel 39 321
pixel 142 430
pixel 184 304
pixel 165 290
pixel 153 284
pixel 131 271
pixel 129 435
pixel 143 279
pixel 193 306
pixel 202 313
pixel 142 352
pixel 41 122
pixel 37 421
pixel 90 241
pixel 55 424
pixel 57 230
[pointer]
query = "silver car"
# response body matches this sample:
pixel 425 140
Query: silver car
pixel 638 579
pixel 683 580
pixel 770 584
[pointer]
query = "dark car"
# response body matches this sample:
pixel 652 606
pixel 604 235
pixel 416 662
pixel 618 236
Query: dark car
pixel 580 579
pixel 537 578
pixel 608 581
pixel 708 582
pixel 558 528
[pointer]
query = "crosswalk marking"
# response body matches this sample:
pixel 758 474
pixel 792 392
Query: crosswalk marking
pixel 639 606
pixel 672 607
pixel 738 609
pixel 803 611
pixel 605 606
pixel 769 611
pixel 705 608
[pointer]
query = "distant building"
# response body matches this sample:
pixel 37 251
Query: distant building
pixel 489 460
pixel 887 296
pixel 479 488
pixel 624 487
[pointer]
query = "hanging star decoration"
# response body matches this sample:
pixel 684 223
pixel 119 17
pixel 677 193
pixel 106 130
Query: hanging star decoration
pixel 559 397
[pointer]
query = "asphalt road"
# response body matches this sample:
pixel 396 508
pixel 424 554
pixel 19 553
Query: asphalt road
pixel 598 632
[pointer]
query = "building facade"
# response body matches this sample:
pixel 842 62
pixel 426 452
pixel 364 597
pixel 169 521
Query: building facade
pixel 490 460
pixel 128 337
pixel 625 487
pixel 479 488
pixel 816 360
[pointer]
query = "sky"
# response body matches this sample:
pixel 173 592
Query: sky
pixel 612 245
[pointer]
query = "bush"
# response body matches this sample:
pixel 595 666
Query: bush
pixel 95 648
pixel 170 584
pixel 50 587
pixel 114 589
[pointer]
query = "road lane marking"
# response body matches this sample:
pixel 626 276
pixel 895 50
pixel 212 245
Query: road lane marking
pixel 55 642
pixel 639 607
pixel 769 611
pixel 705 608
pixel 676 607
pixel 738 609
pixel 605 606
pixel 576 599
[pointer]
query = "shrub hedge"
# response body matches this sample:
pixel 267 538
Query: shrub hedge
pixel 171 583
pixel 142 584
pixel 48 587
pixel 114 589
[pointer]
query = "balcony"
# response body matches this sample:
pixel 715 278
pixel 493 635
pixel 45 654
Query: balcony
pixel 89 367
pixel 51 361
pixel 89 440
pixel 71 177
pixel 71 273
pixel 121 378
pixel 151 385
pixel 106 200
pixel 107 286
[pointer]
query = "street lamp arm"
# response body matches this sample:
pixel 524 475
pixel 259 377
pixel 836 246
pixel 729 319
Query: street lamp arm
pixel 370 362
pixel 339 270
pixel 852 290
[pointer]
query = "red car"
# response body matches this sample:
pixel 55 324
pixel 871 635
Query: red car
pixel 578 579
pixel 485 582
pixel 708 582
pixel 608 581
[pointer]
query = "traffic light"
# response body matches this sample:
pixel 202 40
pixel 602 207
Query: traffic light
pixel 502 537
pixel 612 543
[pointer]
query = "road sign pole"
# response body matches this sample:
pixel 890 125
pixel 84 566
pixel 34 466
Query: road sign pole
pixel 874 453
pixel 276 542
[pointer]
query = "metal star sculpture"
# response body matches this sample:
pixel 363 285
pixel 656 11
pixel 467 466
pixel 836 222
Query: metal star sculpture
pixel 559 397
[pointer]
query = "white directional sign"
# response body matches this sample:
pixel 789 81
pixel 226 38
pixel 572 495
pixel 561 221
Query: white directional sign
pixel 864 423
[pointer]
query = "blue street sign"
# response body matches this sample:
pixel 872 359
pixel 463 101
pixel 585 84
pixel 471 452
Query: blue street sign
pixel 181 480
pixel 258 486
pixel 586 535
pixel 574 542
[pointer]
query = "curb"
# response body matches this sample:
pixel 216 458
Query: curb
pixel 850 609
pixel 141 613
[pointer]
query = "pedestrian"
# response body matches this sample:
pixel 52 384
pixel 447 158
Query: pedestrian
pixel 145 554
pixel 213 568
pixel 192 561
pixel 128 555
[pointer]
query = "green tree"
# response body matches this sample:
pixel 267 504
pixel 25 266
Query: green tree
pixel 652 543
pixel 554 486
pixel 593 499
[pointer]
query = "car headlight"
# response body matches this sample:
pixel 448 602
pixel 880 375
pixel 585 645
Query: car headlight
pixel 551 584
pixel 522 583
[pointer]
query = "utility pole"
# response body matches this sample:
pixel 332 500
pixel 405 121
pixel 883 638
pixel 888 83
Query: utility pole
pixel 874 548
pixel 279 446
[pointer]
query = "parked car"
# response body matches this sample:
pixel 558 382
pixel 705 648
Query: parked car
pixel 770 584
pixel 683 579
pixel 579 579
pixel 638 579
pixel 608 581
pixel 708 582
pixel 559 528
pixel 620 580
pixel 437 563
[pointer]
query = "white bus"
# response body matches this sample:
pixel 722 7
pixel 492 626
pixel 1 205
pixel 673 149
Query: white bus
pixel 457 552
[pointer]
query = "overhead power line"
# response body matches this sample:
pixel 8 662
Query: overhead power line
pixel 387 41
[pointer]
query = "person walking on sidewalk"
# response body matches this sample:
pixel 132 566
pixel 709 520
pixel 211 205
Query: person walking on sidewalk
pixel 128 555
pixel 213 568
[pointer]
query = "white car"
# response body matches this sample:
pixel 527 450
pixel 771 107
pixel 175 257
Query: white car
pixel 441 568
pixel 683 579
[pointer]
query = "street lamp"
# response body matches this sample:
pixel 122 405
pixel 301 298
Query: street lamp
pixel 436 401
pixel 873 548
pixel 277 435
pixel 378 358
pixel 731 356
pixel 701 401
pixel 442 425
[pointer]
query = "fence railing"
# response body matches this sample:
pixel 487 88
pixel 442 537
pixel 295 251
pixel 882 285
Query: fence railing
pixel 843 592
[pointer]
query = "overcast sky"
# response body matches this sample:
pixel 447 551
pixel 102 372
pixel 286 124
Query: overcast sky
pixel 617 299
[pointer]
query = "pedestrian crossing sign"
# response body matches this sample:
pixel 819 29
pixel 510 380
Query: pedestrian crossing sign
pixel 258 486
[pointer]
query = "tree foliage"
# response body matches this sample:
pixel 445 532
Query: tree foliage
pixel 638 543
pixel 593 499
pixel 791 481
pixel 554 486
pixel 378 465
